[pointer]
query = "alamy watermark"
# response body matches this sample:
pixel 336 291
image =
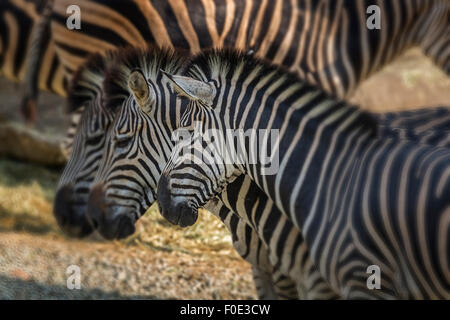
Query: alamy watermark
pixel 74 20
pixel 374 20
pixel 73 273
pixel 374 280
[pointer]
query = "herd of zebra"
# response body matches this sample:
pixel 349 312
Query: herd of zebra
pixel 353 189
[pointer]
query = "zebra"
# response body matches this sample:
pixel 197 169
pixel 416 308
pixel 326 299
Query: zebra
pixel 86 90
pixel 168 18
pixel 88 87
pixel 26 52
pixel 430 125
pixel 124 186
pixel 326 42
pixel 88 141
pixel 140 173
pixel 350 63
pixel 277 30
pixel 359 199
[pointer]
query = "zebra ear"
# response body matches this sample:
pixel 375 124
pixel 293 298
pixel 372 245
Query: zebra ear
pixel 140 88
pixel 191 88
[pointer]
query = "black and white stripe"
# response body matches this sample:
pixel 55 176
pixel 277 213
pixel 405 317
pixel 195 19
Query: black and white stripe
pixel 113 23
pixel 324 41
pixel 359 198
pixel 19 48
pixel 108 24
pixel 138 146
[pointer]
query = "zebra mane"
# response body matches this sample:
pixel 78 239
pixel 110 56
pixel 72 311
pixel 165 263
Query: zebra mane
pixel 228 62
pixel 86 82
pixel 225 62
pixel 149 60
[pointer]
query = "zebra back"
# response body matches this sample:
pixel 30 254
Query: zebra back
pixel 19 29
pixel 326 42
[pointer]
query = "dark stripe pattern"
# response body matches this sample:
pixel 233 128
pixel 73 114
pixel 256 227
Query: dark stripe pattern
pixel 360 199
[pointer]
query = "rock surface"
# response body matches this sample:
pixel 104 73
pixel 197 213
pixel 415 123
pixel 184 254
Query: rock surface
pixel 23 143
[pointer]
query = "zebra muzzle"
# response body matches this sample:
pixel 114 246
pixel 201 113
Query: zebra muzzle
pixel 175 209
pixel 71 216
pixel 112 222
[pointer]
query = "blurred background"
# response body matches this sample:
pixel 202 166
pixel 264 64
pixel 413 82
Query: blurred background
pixel 34 254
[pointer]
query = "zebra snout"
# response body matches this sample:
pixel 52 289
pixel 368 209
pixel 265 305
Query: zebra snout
pixel 70 215
pixel 175 209
pixel 188 216
pixel 112 222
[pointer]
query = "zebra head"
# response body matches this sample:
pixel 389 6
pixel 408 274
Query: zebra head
pixel 88 141
pixel 138 143
pixel 196 172
pixel 202 165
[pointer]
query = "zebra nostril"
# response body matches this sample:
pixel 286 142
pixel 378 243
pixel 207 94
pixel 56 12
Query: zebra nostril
pixel 187 215
pixel 70 217
pixel 125 227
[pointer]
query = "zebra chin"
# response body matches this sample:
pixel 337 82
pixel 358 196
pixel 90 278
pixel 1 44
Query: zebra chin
pixel 176 210
pixel 112 222
pixel 71 217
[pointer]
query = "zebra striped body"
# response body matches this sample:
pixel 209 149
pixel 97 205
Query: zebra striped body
pixel 108 24
pixel 326 42
pixel 137 147
pixel 127 182
pixel 314 42
pixel 359 199
pixel 287 250
pixel 427 126
pixel 18 20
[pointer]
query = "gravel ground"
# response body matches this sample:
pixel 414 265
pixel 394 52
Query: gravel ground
pixel 34 267
pixel 158 261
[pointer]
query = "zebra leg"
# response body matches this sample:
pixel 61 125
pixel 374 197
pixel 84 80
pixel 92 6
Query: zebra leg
pixel 274 285
pixel 285 287
pixel 269 285
pixel 264 285
pixel 39 36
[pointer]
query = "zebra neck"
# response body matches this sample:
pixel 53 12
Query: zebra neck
pixel 311 136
